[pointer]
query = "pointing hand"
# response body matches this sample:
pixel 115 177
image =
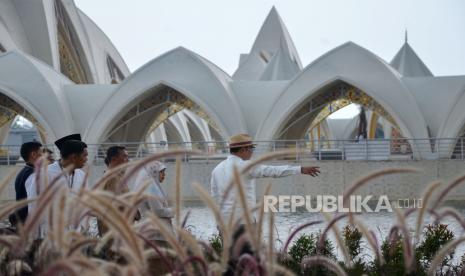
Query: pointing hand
pixel 313 171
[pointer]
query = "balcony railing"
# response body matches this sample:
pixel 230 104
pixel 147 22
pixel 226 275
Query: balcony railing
pixel 374 150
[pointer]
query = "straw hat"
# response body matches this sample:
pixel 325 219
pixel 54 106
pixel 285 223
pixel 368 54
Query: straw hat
pixel 240 140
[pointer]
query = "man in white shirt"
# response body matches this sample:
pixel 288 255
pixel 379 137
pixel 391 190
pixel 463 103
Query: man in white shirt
pixel 73 155
pixel 241 149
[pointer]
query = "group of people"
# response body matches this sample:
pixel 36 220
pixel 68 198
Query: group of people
pixel 68 171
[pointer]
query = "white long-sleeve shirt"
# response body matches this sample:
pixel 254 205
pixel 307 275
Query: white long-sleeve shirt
pixel 224 173
pixel 73 182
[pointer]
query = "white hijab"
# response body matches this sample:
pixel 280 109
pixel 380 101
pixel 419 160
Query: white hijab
pixel 150 174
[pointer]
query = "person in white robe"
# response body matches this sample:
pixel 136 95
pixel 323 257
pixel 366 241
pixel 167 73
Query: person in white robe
pixel 241 149
pixel 73 155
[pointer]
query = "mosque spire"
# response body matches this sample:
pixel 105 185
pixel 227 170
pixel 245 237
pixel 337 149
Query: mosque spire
pixel 407 62
pixel 272 38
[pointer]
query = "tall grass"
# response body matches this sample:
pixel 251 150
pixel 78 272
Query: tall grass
pixel 127 248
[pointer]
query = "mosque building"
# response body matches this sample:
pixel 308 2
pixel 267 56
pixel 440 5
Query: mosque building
pixel 60 71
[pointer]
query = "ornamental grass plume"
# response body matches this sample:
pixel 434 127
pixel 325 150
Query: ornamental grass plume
pixel 339 239
pixel 320 260
pixel 456 182
pixel 449 212
pixel 128 248
pixel 427 194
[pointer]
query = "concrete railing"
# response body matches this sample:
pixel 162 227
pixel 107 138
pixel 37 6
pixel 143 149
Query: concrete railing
pixel 376 149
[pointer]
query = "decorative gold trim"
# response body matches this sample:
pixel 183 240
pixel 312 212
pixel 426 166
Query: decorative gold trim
pixel 319 106
pixel 9 109
pixel 373 125
pixel 169 101
pixel 342 98
pixel 70 51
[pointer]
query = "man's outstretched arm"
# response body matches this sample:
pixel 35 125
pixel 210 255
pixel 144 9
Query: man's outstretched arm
pixel 282 171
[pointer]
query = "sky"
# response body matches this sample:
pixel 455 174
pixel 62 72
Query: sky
pixel 221 30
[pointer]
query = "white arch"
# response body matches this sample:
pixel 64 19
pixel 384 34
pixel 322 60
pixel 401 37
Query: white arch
pixel 51 136
pixel 172 126
pixel 184 71
pixel 200 124
pixel 180 124
pixel 359 67
pixel 38 89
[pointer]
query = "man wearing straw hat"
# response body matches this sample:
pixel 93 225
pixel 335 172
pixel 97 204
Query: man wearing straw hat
pixel 241 149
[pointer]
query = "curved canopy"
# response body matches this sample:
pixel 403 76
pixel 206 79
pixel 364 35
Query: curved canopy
pixel 184 72
pixel 268 89
pixel 37 88
pixel 360 68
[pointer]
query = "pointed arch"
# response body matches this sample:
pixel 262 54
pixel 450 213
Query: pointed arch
pixel 360 68
pixel 189 76
pixel 316 109
pixel 37 89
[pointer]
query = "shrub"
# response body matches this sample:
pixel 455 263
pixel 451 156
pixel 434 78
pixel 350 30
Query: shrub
pixel 127 249
pixel 216 243
pixel 353 240
pixel 435 237
pixel 392 251
pixel 306 246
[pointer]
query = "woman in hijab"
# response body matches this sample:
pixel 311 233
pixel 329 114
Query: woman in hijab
pixel 154 175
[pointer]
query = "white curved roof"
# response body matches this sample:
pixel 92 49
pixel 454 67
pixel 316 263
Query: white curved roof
pixel 12 33
pixel 408 64
pixel 31 27
pixel 37 88
pixel 101 48
pixel 185 72
pixel 274 35
pixel 255 99
pixel 360 68
pixel 281 67
pixel 85 101
pixel 437 97
pixel 199 123
pixel 273 39
pixel 454 121
pixel 267 88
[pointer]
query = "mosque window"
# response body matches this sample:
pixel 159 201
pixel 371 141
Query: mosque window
pixel 115 73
